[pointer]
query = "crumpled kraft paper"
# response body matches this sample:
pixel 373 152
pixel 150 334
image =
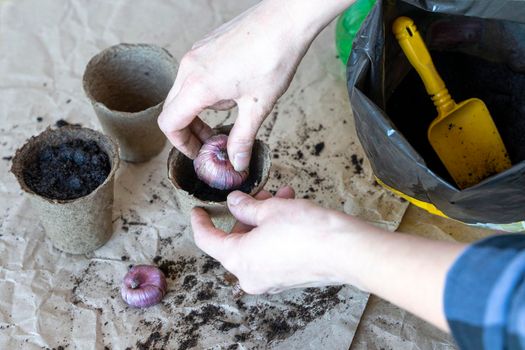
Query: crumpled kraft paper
pixel 50 299
pixel 386 326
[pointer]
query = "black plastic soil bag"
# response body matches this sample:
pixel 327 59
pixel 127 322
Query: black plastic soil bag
pixel 479 49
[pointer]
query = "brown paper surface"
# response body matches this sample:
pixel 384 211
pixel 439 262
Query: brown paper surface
pixel 50 299
pixel 385 326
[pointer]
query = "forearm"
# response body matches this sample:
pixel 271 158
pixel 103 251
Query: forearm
pixel 406 270
pixel 310 17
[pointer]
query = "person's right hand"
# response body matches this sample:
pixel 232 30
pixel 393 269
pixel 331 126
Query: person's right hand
pixel 248 62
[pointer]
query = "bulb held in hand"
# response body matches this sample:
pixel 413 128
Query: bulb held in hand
pixel 213 167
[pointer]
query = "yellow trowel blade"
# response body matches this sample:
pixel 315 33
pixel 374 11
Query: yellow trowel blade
pixel 468 143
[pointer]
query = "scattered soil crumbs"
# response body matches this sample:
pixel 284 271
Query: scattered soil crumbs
pixel 280 323
pixel 189 282
pixel 155 339
pixel 318 148
pixel 202 310
pixel 305 163
pixel 209 264
pixel 134 220
pixel 207 292
pixel 194 320
pixel 260 320
pixel 357 163
pixel 174 269
pixel 67 171
pixel 61 122
pixel 154 197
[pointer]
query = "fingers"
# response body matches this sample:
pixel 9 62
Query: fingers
pixel 207 237
pixel 175 88
pixel 253 212
pixel 177 115
pixel 263 195
pixel 241 227
pixel 245 208
pixel 223 105
pixel 200 129
pixel 286 192
pixel 242 135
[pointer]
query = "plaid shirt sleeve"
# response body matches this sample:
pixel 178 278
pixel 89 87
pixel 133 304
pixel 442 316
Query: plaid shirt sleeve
pixel 485 294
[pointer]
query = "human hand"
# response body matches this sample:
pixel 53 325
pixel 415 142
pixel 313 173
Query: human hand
pixel 278 243
pixel 282 243
pixel 248 62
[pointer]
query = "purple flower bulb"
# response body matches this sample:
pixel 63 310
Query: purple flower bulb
pixel 213 167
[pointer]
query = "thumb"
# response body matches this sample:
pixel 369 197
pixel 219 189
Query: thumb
pixel 247 209
pixel 242 136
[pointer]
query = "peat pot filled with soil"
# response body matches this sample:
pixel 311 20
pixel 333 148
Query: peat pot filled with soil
pixel 68 175
pixel 127 85
pixel 192 192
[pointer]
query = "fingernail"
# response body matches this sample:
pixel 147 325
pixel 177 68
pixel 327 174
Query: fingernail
pixel 241 161
pixel 235 198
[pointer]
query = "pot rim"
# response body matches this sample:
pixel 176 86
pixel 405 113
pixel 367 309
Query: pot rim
pixel 119 48
pixel 258 186
pixel 17 169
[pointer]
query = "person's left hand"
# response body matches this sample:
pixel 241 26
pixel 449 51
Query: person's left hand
pixel 279 243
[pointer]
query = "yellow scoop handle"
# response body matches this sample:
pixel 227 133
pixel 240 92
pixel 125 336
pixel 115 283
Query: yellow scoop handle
pixel 416 51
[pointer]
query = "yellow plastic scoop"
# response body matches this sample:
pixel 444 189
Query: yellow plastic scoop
pixel 463 135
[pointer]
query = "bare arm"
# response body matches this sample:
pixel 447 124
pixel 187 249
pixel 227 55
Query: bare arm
pixel 289 243
pixel 406 270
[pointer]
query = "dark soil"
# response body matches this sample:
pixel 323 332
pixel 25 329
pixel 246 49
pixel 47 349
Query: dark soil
pixel 272 322
pixel 280 323
pixel 153 340
pixel 68 171
pixel 466 76
pixel 204 192
pixel 318 148
pixel 156 340
pixel 189 282
pixel 188 180
pixel 194 320
pixel 357 163
pixel 173 269
pixel 209 264
pixel 61 122
pixel 207 292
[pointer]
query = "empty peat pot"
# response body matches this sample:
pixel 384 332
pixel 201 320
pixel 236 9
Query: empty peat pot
pixel 191 192
pixel 83 223
pixel 127 85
